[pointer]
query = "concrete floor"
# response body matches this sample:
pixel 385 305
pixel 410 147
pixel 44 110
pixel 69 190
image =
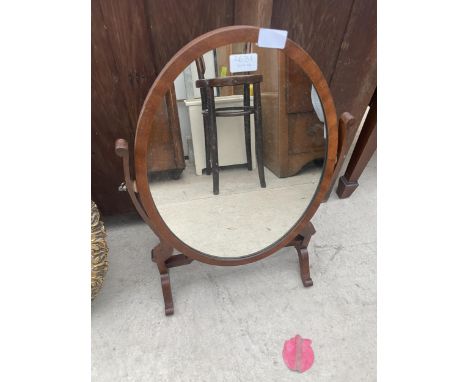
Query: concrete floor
pixel 230 322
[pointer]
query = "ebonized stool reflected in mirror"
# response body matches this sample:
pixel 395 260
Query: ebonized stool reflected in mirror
pixel 210 112
pixel 242 222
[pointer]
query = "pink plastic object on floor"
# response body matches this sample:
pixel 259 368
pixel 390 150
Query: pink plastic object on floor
pixel 298 354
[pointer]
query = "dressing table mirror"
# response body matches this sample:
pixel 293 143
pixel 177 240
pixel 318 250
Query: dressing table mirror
pixel 260 140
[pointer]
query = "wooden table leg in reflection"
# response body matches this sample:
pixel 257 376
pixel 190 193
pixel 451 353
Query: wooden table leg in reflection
pixel 365 148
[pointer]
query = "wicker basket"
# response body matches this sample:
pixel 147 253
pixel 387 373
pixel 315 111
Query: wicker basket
pixel 99 251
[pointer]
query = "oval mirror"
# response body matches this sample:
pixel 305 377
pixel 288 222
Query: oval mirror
pixel 250 136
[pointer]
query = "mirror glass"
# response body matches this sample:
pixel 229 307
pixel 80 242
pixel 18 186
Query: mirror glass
pixel 252 116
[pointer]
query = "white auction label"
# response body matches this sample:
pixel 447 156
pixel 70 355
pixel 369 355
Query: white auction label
pixel 243 62
pixel 272 38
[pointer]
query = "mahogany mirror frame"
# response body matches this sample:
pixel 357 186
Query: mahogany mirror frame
pixel 182 59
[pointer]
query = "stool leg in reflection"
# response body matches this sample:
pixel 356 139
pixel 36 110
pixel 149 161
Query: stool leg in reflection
pixel 248 144
pixel 206 132
pixel 213 134
pixel 259 134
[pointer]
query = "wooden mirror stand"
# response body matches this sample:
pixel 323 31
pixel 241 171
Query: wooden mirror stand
pixel 339 137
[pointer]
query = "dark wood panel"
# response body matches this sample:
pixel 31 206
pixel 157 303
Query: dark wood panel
pixel 318 26
pixel 131 46
pixel 355 76
pixel 253 12
pixel 131 42
pixel 175 23
pixel 122 48
pixel 134 57
pixel 109 120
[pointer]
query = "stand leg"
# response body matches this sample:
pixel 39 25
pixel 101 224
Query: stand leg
pixel 160 254
pixel 303 254
pixel 346 132
pixel 365 148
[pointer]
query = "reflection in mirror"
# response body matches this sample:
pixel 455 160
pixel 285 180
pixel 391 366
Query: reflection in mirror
pixel 252 133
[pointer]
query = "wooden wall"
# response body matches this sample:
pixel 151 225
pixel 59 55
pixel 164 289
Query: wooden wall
pixel 341 36
pixel 131 42
pixel 133 39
